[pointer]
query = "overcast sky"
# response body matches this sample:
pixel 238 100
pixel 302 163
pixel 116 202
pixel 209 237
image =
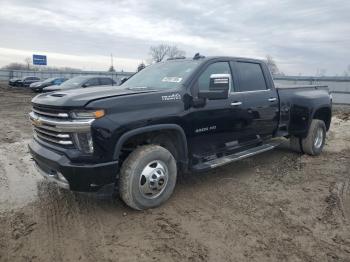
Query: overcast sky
pixel 303 36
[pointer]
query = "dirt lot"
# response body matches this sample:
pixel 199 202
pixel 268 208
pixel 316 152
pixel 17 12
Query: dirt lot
pixel 278 206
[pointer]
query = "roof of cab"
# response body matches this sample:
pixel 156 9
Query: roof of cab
pixel 209 58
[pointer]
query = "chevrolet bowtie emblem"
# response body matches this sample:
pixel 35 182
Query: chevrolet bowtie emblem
pixel 37 122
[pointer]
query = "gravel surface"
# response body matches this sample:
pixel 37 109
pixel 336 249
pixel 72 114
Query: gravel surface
pixel 277 206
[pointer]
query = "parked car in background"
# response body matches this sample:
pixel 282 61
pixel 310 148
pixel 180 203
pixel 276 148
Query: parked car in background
pixel 28 80
pixel 14 81
pixel 81 82
pixel 24 81
pixel 38 86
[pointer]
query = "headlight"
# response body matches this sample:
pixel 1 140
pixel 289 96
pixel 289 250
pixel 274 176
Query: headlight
pixel 87 114
pixel 84 142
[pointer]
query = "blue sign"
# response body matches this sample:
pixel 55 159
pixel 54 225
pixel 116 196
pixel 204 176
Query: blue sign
pixel 39 60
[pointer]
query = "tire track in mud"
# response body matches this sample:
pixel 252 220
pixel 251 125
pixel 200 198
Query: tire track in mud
pixel 161 235
pixel 17 228
pixel 336 207
pixel 65 225
pixel 87 216
pixel 73 224
pixel 4 238
pixel 50 220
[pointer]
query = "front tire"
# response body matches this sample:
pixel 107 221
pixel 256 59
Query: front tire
pixel 147 177
pixel 316 137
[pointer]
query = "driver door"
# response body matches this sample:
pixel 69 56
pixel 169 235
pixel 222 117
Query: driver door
pixel 217 124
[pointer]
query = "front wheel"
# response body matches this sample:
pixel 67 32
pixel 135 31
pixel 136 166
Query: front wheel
pixel 314 142
pixel 147 177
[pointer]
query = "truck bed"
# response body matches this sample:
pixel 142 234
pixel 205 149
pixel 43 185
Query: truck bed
pixel 298 101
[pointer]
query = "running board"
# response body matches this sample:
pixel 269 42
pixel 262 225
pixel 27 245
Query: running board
pixel 235 157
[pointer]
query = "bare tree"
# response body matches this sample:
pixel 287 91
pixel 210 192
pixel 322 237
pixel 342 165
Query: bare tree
pixel 15 66
pixel 160 52
pixel 111 69
pixel 174 51
pixel 271 64
pixel 140 67
pixel 28 61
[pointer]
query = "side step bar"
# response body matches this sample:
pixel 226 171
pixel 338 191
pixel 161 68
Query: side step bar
pixel 235 157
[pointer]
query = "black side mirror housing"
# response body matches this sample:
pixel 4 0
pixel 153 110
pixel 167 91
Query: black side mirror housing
pixel 219 87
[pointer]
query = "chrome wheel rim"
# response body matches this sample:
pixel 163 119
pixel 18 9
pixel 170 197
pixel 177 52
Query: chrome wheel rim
pixel 319 138
pixel 153 179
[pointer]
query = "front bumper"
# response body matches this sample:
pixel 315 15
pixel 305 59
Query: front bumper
pixel 52 175
pixel 81 177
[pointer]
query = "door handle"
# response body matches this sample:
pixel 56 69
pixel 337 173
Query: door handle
pixel 272 99
pixel 236 103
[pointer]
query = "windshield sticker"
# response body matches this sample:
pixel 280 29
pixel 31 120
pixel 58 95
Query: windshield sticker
pixel 173 79
pixel 171 97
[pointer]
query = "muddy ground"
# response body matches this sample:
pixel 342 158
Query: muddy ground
pixel 278 206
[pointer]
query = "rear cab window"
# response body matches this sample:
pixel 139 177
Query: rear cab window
pixel 92 82
pixel 250 77
pixel 106 81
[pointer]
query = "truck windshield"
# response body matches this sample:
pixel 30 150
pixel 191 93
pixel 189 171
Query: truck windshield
pixel 49 80
pixel 162 75
pixel 74 82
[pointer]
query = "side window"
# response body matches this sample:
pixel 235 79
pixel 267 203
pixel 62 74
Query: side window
pixel 216 68
pixel 92 82
pixel 251 77
pixel 105 81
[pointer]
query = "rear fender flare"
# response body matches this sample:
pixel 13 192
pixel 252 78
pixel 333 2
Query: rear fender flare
pixel 325 118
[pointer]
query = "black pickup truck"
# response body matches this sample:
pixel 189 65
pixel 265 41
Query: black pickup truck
pixel 179 115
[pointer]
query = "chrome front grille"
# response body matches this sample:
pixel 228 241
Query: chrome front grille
pixel 56 127
pixel 52 136
pixel 49 112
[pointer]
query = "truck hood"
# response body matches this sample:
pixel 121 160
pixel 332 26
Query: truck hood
pixel 82 96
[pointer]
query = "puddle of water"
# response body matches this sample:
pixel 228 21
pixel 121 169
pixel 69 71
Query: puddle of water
pixel 20 181
pixel 18 177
